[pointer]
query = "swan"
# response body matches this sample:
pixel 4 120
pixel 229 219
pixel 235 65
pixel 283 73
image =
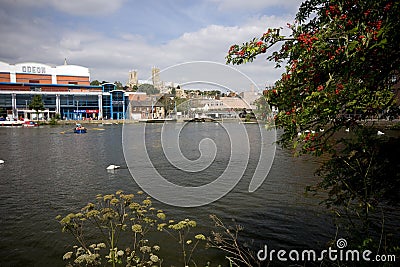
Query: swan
pixel 112 167
pixel 1 161
pixel 380 133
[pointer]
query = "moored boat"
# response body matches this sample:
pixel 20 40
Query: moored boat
pixel 10 123
pixel 29 123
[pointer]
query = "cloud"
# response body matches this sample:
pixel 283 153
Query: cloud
pixel 212 43
pixel 231 5
pixel 87 7
pixel 72 7
pixel 111 56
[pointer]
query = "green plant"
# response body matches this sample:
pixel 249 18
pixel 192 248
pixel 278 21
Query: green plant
pixel 340 67
pixel 180 231
pixel 118 227
pixel 53 121
pixel 357 180
pixel 225 238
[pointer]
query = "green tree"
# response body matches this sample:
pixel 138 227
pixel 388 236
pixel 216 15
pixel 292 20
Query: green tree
pixel 148 89
pixel 118 85
pixel 341 62
pixel 134 88
pixel 95 82
pixel 37 104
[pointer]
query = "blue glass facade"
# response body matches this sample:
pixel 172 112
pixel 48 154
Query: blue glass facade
pixel 75 103
pixel 117 105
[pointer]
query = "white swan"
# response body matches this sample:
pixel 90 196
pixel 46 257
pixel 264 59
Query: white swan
pixel 112 167
pixel 380 133
pixel 1 161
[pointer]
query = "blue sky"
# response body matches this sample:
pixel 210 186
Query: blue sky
pixel 113 37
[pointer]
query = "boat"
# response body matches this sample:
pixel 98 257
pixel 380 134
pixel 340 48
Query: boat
pixel 79 128
pixel 10 123
pixel 29 123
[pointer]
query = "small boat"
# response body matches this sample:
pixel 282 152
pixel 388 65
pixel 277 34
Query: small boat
pixel 28 123
pixel 79 128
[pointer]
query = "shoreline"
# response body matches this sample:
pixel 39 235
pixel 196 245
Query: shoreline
pixel 378 124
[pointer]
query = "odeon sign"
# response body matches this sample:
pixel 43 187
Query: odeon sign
pixel 33 69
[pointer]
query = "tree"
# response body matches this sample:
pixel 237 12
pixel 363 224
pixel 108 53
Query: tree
pixel 148 89
pixel 95 83
pixel 118 85
pixel 37 104
pixel 341 64
pixel 173 91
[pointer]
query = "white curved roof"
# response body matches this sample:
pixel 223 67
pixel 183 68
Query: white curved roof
pixel 74 70
pixel 40 68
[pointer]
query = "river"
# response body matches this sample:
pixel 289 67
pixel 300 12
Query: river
pixel 50 171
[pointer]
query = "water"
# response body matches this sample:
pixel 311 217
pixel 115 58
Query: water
pixel 50 171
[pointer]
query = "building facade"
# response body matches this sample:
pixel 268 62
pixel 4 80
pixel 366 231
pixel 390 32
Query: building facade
pixel 65 90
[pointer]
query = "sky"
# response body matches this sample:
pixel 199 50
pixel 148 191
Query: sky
pixel 112 37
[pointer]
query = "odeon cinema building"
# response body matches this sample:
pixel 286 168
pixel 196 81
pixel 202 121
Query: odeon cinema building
pixel 65 90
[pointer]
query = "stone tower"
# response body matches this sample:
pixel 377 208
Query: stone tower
pixel 133 78
pixel 155 77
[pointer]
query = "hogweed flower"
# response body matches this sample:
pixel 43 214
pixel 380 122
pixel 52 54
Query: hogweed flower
pixel 147 202
pixel 120 253
pixel 137 228
pixel 145 249
pixel 154 258
pixel 200 237
pixel 67 255
pixel 161 215
pixel 101 245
